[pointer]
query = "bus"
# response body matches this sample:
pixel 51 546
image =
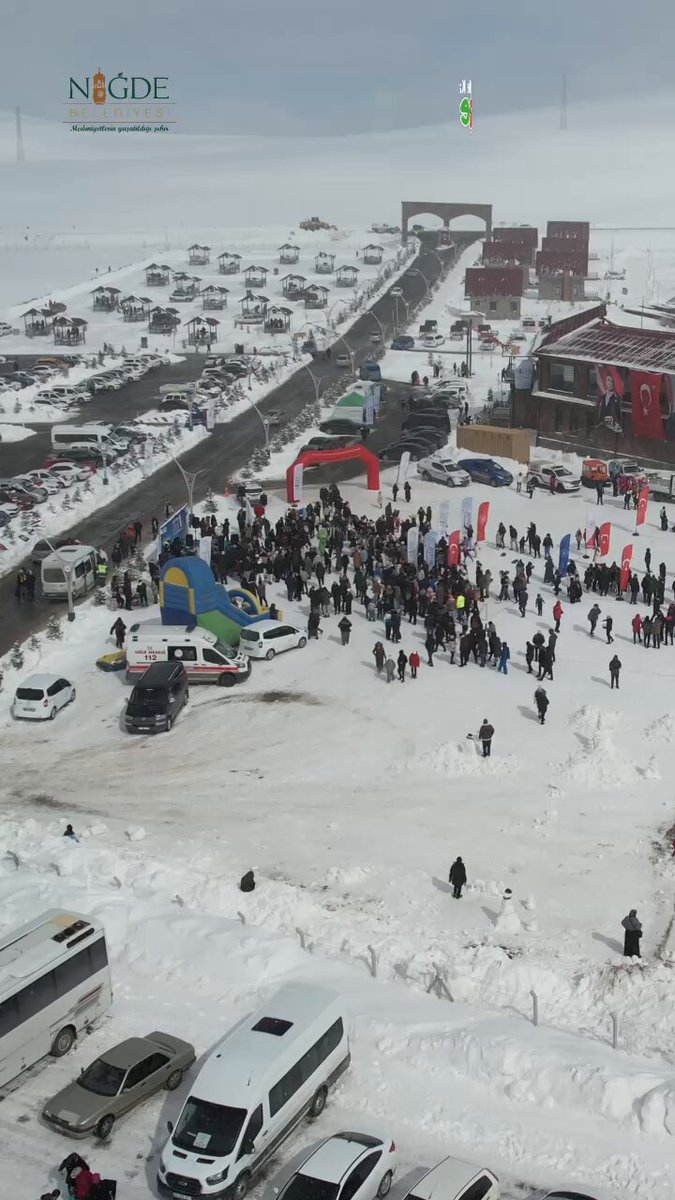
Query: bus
pixel 54 983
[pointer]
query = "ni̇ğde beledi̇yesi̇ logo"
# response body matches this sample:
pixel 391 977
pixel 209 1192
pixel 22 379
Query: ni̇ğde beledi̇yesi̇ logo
pixel 128 100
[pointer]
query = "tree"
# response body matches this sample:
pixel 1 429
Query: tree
pixel 54 630
pixel 17 658
pixel 34 642
pixel 77 496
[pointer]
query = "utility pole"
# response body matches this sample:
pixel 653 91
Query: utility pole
pixel 20 155
pixel 563 103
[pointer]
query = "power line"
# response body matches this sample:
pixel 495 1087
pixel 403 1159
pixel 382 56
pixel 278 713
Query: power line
pixel 20 154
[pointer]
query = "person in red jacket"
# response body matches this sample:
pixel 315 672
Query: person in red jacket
pixel 557 615
pixel 636 626
pixel 83 1182
pixel 414 662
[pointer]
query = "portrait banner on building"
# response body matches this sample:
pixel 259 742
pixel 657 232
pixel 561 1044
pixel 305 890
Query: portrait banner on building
pixel 564 554
pixel 454 548
pixel 412 544
pixel 430 543
pixel 605 538
pixel 610 393
pixel 626 560
pixel 591 531
pixel 467 513
pixel 643 505
pixel 645 391
pixel 443 517
pixel 483 518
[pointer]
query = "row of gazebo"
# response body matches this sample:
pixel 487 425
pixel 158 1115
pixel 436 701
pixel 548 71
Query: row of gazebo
pixel 256 310
pixel 50 321
pixel 159 274
pixel 213 296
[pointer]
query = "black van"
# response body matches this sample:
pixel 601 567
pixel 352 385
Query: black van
pixel 157 698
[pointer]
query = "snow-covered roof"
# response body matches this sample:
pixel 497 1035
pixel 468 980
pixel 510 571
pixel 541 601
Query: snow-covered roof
pixel 600 341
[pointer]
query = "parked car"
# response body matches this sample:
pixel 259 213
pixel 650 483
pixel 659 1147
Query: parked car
pixel 49 396
pixel 395 451
pixel 31 490
pixel 340 425
pixel 40 697
pixel 403 342
pixel 7 513
pixel 541 474
pixel 572 1193
pixel 455 1179
pixel 433 339
pixel 118 1081
pixel 594 471
pixel 343 361
pixel 34 480
pixel 5 329
pixel 69 472
pixel 17 499
pixel 266 639
pixel 450 398
pixel 43 548
pixel 442 470
pixel 370 370
pixel 157 698
pixel 174 404
pixel 346 1166
pixel 486 470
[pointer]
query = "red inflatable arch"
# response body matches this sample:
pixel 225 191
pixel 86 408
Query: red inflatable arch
pixel 309 458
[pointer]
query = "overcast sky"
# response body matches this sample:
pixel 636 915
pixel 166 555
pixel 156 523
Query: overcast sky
pixel 322 67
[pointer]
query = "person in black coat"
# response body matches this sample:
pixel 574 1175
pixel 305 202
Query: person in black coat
pixel 541 701
pixel 632 934
pixel 457 877
pixel 614 669
pixel 345 627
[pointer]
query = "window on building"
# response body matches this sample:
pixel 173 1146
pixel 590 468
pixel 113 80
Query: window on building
pixel 557 418
pixel 492 306
pixel 562 377
pixel 514 308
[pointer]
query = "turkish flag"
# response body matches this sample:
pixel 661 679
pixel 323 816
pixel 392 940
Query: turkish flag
pixel 643 505
pixel 626 558
pixel 646 404
pixel 605 538
pixel 483 516
pixel 454 549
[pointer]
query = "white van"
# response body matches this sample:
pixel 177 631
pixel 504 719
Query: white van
pixel 206 659
pixel 93 434
pixel 82 563
pixel 274 1068
pixel 178 389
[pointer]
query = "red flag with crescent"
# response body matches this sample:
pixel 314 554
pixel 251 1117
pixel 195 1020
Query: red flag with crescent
pixel 643 505
pixel 483 517
pixel 454 549
pixel 605 538
pixel 626 559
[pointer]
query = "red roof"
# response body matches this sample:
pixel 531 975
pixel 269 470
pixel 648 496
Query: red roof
pixel 494 281
pixel 616 345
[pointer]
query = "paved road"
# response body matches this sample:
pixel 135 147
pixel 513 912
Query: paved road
pixel 220 456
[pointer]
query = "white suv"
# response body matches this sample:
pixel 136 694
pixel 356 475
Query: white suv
pixel 442 470
pixel 541 475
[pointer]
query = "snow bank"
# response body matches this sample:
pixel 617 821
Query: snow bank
pixel 463 758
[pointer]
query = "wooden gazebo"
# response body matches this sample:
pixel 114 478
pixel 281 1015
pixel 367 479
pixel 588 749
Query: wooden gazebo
pixel 324 263
pixel 157 275
pixel 69 331
pixel 228 264
pixel 278 319
pixel 346 276
pixel 253 309
pixel 106 299
pixel 37 322
pixel 372 254
pixel 163 320
pixel 135 308
pixel 316 296
pixel 198 256
pixel 255 277
pixel 185 287
pixel 202 331
pixel 288 253
pixel 214 297
pixel 292 286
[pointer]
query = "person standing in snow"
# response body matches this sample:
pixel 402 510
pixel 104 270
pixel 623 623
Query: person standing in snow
pixel 541 701
pixel 407 492
pixel 636 626
pixel 457 878
pixel 401 664
pixel 414 661
pixel 430 646
pixel 632 935
pixel 485 735
pixel 69 832
pixel 379 656
pixel 539 604
pixel 345 627
pixel 614 669
pixel 557 615
pixel 504 657
pixel 607 626
pixel 247 882
pixel 119 629
pixel 389 669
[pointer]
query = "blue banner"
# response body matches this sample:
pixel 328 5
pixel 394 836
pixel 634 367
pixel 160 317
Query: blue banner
pixel 175 526
pixel 564 557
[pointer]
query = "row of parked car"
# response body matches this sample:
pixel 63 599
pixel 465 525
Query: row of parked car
pixel 270 1071
pixel 425 428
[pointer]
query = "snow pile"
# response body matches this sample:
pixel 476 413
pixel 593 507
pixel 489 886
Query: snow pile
pixel 598 762
pixel 463 758
pixel 662 729
pixel 14 433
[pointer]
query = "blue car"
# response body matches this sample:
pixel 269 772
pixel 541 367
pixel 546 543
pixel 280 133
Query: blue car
pixel 403 343
pixel 370 370
pixel 486 470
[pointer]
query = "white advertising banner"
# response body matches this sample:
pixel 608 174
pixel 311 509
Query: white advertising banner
pixel 413 544
pixel 205 549
pixel 443 518
pixel 403 468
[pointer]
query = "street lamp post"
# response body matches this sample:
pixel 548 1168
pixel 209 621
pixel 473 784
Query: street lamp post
pixel 416 271
pixel 348 348
pixel 265 424
pixel 383 328
pixel 316 382
pixel 67 569
pixel 189 478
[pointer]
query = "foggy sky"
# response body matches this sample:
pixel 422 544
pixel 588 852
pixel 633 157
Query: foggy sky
pixel 303 67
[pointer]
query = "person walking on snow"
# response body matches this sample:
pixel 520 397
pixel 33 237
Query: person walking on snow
pixel 541 701
pixel 345 627
pixel 614 668
pixel 636 626
pixel 607 625
pixel 557 615
pixel 401 663
pixel 390 669
pixel 407 492
pixel 485 736
pixel 632 935
pixel 504 657
pixel 414 662
pixel 593 618
pixel 119 629
pixel 457 878
pixel 430 646
pixel 539 604
pixel 379 656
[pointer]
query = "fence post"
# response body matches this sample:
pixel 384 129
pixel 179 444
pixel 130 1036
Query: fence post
pixel 301 935
pixel 373 962
pixel 242 918
pixel 535 1007
pixel 615 1030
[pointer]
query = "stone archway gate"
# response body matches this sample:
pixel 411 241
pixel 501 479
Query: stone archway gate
pixel 447 213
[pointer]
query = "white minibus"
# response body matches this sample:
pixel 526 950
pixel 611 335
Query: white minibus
pixel 64 436
pixel 54 982
pixel 274 1068
pixel 78 562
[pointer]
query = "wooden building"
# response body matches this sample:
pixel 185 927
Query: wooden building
pixel 157 275
pixel 185 287
pixel 316 296
pixel 163 320
pixel 255 277
pixel 288 253
pixel 293 286
pixel 69 331
pixel 324 263
pixel 278 319
pixel 372 254
pixel 37 322
pixel 202 331
pixel 346 276
pixel 500 253
pixel 253 309
pixel 135 308
pixel 228 264
pixel 199 256
pixel 106 299
pixel 214 297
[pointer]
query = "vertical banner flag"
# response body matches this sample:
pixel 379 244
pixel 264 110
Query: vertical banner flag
pixel 643 505
pixel 369 410
pixel 413 544
pixel 467 513
pixel 297 479
pixel 210 414
pixel 626 558
pixel 453 549
pixel 610 392
pixel 444 518
pixel 403 468
pixel 430 543
pixel 377 397
pixel 564 556
pixel 483 516
pixel 591 531
pixel 646 406
pixel 205 549
pixel 605 539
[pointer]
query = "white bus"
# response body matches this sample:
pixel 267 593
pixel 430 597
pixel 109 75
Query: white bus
pixel 54 982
